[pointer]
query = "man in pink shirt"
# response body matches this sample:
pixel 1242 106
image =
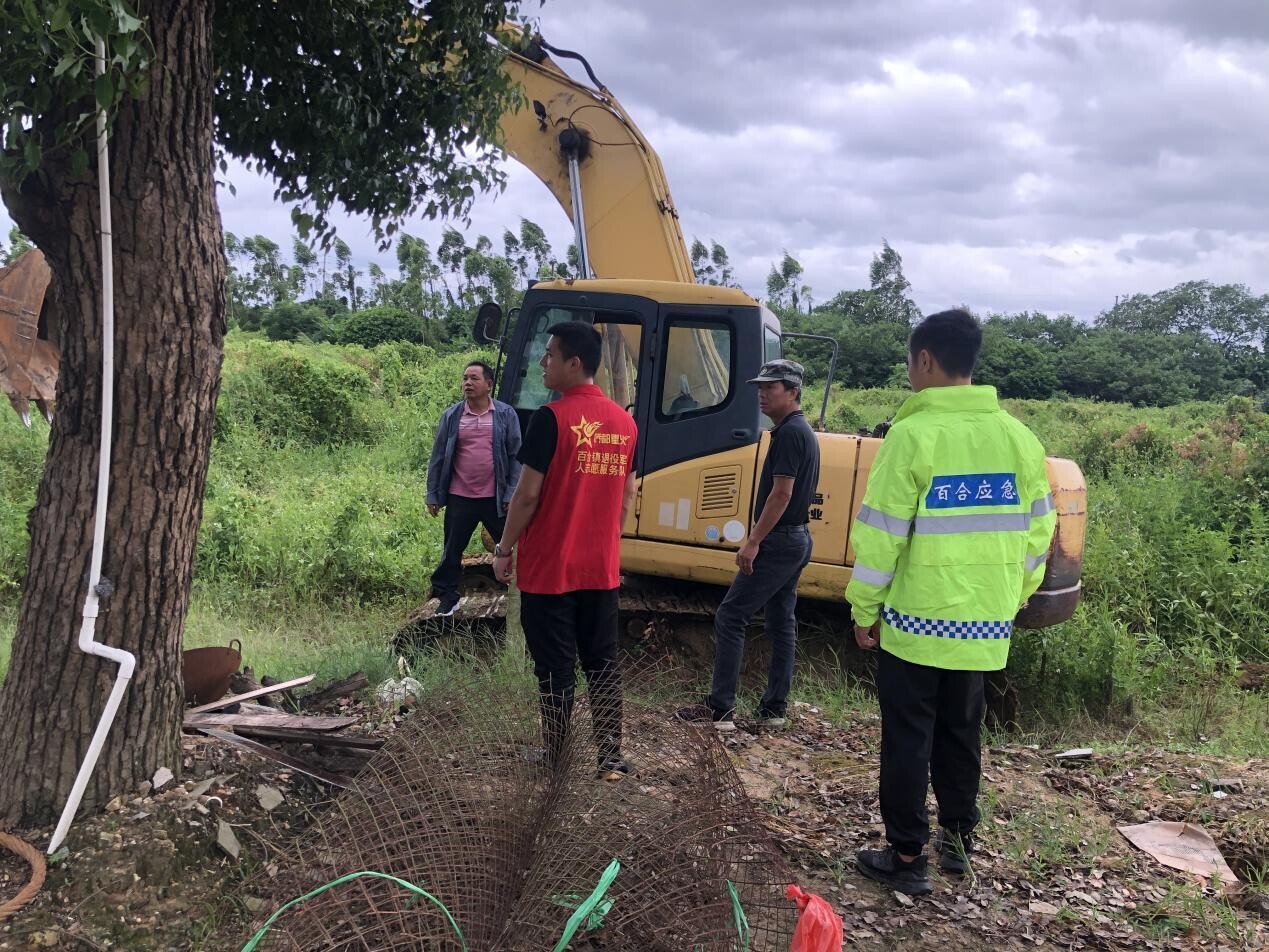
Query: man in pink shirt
pixel 471 475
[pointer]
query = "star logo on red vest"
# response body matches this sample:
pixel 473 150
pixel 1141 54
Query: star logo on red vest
pixel 585 432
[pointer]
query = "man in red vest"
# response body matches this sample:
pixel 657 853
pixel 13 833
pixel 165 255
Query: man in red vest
pixel 575 490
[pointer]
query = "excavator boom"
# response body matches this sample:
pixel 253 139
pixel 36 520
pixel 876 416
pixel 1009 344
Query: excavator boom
pixel 631 225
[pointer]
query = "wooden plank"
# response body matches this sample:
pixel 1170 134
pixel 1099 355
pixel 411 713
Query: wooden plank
pixel 286 760
pixel 318 739
pixel 259 692
pixel 287 722
pixel 336 689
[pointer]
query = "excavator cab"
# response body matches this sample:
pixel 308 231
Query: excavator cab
pixel 677 362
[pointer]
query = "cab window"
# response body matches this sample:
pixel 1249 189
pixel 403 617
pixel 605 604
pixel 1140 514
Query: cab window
pixel 696 362
pixel 772 346
pixel 618 374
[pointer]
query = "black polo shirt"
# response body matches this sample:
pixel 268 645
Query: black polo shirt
pixel 795 452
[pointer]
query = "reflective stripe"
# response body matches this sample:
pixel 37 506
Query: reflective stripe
pixel 879 520
pixel 871 576
pixel 1042 507
pixel 963 630
pixel 1035 561
pixel 993 522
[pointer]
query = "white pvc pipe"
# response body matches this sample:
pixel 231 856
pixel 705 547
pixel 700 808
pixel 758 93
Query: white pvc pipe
pixel 87 644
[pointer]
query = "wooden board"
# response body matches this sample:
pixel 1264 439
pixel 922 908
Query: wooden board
pixel 259 692
pixel 355 742
pixel 287 722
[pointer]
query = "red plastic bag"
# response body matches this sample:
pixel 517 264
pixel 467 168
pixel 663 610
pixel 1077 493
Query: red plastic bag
pixel 819 927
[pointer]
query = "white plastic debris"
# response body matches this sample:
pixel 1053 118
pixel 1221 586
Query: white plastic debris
pixel 398 692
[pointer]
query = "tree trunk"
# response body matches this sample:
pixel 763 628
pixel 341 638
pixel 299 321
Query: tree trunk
pixel 169 275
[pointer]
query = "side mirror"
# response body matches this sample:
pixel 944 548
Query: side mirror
pixel 487 329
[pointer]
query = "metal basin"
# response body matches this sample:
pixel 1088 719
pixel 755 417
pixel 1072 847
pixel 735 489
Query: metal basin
pixel 206 672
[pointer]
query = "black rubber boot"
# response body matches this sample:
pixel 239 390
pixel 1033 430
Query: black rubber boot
pixel 884 866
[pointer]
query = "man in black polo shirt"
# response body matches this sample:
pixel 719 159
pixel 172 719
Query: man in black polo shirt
pixel 772 558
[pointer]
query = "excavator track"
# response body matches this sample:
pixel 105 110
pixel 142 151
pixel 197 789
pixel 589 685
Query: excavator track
pixel 669 614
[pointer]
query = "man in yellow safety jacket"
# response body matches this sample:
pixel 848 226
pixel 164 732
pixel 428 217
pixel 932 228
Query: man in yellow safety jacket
pixel 950 542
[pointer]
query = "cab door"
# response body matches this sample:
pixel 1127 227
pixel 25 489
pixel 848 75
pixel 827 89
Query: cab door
pixel 699 433
pixel 625 324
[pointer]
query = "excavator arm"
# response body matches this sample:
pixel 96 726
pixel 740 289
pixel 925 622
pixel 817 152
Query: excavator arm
pixel 631 226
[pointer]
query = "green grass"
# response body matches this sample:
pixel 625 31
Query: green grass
pixel 315 541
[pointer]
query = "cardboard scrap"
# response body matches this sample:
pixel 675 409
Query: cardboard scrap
pixel 1183 846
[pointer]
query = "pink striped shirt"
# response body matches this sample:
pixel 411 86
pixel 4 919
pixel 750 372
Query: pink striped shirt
pixel 473 472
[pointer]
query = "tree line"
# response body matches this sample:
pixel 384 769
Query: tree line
pixel 1194 341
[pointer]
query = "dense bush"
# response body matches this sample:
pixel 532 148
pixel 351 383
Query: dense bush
pixel 291 321
pixel 292 394
pixel 379 325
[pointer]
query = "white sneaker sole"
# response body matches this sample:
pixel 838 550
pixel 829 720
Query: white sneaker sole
pixel 724 727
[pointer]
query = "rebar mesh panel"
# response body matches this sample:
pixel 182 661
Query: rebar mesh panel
pixel 460 803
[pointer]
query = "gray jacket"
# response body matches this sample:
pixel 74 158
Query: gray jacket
pixel 506 444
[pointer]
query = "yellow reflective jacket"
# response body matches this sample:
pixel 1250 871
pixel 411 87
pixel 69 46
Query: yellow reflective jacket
pixel 953 532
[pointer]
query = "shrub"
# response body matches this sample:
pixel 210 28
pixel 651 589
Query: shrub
pixel 291 321
pixel 291 394
pixel 379 325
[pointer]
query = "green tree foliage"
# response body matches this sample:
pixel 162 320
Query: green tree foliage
pixel 890 300
pixel 1196 341
pixel 19 244
pixel 379 325
pixel 291 320
pixel 711 265
pixel 785 291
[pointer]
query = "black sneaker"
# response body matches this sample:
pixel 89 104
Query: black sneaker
pixel 449 604
pixel 772 720
pixel 703 713
pixel 954 851
pixel 613 769
pixel 884 866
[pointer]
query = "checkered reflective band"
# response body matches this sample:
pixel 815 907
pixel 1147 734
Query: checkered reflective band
pixel 913 625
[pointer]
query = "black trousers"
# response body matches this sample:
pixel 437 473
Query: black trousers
pixel 560 630
pixel 930 723
pixel 462 515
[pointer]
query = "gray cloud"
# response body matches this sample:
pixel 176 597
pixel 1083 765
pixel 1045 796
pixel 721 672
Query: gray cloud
pixel 1046 156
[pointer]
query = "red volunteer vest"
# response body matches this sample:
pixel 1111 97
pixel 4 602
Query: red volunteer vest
pixel 574 539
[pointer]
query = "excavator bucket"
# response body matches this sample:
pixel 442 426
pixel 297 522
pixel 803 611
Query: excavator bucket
pixel 28 364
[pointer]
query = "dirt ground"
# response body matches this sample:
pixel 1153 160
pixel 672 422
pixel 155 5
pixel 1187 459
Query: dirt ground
pixel 155 871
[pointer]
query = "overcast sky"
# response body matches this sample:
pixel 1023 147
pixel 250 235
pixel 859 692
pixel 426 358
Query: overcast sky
pixel 1018 157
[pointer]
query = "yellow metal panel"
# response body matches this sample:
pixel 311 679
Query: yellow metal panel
pixel 868 447
pixel 663 292
pixel 830 510
pixel 671 502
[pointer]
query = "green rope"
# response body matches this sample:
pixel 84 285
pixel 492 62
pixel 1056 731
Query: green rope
pixel 256 939
pixel 577 918
pixel 742 921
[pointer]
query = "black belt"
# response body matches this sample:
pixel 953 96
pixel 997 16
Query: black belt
pixel 789 528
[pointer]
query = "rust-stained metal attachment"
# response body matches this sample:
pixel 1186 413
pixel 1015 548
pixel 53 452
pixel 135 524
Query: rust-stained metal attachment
pixel 28 362
pixel 206 671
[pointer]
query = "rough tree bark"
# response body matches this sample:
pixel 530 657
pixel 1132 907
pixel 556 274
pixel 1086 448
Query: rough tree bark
pixel 170 311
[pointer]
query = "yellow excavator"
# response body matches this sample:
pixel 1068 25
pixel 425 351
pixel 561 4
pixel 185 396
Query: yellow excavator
pixel 677 355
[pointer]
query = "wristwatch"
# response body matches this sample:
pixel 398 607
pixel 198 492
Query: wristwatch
pixel 499 554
